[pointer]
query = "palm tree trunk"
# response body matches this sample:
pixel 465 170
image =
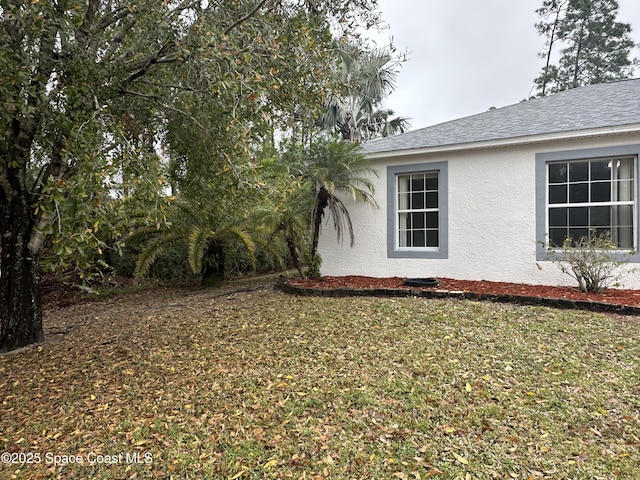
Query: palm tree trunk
pixel 293 251
pixel 322 201
pixel 213 264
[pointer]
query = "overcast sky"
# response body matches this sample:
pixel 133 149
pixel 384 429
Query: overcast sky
pixel 466 56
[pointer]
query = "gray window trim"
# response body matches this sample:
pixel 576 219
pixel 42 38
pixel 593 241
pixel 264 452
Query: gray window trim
pixel 443 214
pixel 542 159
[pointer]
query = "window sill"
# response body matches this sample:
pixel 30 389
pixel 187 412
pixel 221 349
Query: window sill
pixel 426 253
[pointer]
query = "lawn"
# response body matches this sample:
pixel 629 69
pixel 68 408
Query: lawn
pixel 258 384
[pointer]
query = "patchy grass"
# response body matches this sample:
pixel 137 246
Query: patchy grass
pixel 262 385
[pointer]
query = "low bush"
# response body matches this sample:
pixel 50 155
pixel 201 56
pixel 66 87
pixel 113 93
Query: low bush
pixel 595 262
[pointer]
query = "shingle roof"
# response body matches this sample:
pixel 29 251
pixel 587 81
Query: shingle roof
pixel 584 108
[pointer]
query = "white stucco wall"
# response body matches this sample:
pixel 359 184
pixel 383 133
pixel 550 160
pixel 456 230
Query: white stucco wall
pixel 492 216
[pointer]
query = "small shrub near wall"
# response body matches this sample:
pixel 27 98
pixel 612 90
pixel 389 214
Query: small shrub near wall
pixel 594 262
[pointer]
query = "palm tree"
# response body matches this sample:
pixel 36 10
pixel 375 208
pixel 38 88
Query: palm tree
pixel 356 113
pixel 205 233
pixel 287 220
pixel 283 212
pixel 332 166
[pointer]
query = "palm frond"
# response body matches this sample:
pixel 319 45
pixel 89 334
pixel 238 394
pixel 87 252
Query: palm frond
pixel 137 236
pixel 153 250
pixel 245 238
pixel 198 238
pixel 341 219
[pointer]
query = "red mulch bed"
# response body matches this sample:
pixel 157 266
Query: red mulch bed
pixel 612 296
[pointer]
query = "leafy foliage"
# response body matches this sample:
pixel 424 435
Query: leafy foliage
pixel 94 90
pixel 254 384
pixel 330 166
pixel 283 212
pixel 594 262
pixel 207 235
pixel 367 76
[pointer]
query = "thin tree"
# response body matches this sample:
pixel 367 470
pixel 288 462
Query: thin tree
pixel 550 12
pixel 594 46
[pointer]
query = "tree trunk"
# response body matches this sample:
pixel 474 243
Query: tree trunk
pixel 552 39
pixel 322 201
pixel 293 251
pixel 576 65
pixel 20 301
pixel 213 264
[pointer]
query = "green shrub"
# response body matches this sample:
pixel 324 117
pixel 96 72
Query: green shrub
pixel 594 262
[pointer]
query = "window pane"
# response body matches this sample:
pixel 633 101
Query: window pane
pixel 603 182
pixel 558 217
pixel 403 238
pixel 417 201
pixel 599 232
pixel 417 183
pixel 557 236
pixel 578 193
pixel 623 237
pixel 408 238
pixel 622 215
pixel 601 192
pixel 432 220
pixel 418 220
pixel 403 219
pixel 624 190
pixel 579 217
pixel 432 181
pixel 432 238
pixel 432 199
pixel 557 194
pixel 600 216
pixel 601 170
pixel 578 233
pixel 622 168
pixel 403 183
pixel 418 238
pixel 578 171
pixel 557 172
pixel 403 201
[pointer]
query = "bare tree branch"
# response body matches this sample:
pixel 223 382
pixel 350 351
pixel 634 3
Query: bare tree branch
pixel 181 8
pixel 246 17
pixel 169 107
pixel 89 16
pixel 117 40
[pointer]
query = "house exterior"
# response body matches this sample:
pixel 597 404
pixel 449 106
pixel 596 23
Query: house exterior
pixel 476 198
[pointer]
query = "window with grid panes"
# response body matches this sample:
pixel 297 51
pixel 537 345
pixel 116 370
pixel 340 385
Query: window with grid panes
pixel 418 214
pixel 589 197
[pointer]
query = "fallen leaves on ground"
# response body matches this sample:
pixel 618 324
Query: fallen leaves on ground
pixel 259 384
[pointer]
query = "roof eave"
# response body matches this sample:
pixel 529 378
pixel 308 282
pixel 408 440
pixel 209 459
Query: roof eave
pixel 512 141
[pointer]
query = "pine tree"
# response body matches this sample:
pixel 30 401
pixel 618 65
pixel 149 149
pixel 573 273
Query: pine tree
pixel 594 46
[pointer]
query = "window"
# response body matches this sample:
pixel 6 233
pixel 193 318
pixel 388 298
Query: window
pixel 417 211
pixel 588 192
pixel 588 197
